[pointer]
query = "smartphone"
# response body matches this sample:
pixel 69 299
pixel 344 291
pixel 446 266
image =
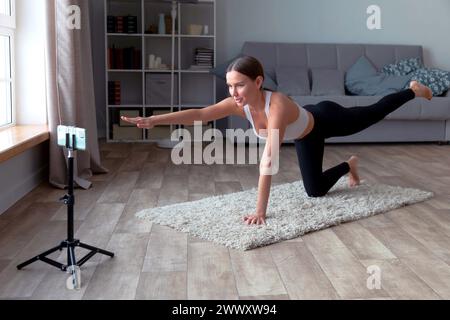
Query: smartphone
pixel 80 137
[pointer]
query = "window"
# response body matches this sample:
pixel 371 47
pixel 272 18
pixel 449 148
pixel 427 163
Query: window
pixel 7 27
pixel 5 7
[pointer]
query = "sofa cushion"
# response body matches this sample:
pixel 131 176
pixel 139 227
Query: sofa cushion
pixel 293 81
pixel 438 80
pixel 437 108
pixel 362 79
pixel 327 82
pixel 221 71
pixel 362 68
pixel 403 67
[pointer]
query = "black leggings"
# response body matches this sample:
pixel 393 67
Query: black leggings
pixel 333 120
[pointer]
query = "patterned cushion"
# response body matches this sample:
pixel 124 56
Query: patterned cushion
pixel 403 67
pixel 438 80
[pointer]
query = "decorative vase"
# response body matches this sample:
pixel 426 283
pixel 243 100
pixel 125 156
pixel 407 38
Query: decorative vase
pixel 162 24
pixel 168 20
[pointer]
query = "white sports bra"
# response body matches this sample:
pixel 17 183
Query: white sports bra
pixel 293 131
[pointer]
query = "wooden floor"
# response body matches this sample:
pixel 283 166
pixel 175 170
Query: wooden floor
pixel 411 245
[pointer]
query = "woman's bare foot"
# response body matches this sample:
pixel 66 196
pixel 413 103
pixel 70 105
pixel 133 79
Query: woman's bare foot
pixel 353 178
pixel 420 90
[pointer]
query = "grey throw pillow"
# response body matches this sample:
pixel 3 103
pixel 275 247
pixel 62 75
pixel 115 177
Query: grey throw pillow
pixel 361 69
pixel 378 85
pixel 327 82
pixel 293 81
pixel 363 79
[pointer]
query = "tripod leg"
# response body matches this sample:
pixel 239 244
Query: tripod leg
pixel 74 280
pixel 42 257
pixel 97 250
pixel 71 261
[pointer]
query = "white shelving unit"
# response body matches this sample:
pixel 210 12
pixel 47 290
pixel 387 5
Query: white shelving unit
pixel 144 91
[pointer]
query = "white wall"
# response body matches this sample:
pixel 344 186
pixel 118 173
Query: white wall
pixel 416 22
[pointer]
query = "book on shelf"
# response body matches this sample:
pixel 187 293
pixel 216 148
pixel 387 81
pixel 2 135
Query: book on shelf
pixel 119 25
pixel 124 58
pixel 111 24
pixel 204 58
pixel 114 93
pixel 122 24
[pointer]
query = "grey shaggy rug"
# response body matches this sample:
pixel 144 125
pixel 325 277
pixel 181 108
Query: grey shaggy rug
pixel 291 213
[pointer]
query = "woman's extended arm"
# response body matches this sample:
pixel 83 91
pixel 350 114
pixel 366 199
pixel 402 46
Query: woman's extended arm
pixel 188 117
pixel 268 167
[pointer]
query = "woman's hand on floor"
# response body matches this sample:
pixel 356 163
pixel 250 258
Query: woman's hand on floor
pixel 255 219
pixel 140 122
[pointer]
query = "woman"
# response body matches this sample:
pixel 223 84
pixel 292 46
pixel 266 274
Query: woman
pixel 308 126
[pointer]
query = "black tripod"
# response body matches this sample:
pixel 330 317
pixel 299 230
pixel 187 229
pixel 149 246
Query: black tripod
pixel 70 243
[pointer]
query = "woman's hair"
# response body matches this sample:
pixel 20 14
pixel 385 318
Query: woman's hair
pixel 248 66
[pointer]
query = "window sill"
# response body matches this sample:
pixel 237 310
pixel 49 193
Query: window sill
pixel 17 139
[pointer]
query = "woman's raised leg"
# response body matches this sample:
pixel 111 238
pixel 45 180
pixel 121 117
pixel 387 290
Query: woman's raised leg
pixel 340 121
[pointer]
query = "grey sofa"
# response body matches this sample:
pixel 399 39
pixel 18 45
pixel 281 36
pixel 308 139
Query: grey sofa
pixel 419 120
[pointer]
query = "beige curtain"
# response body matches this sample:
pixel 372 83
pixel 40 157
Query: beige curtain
pixel 70 91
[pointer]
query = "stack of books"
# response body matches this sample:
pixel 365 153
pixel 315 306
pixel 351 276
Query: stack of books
pixel 131 24
pixel 124 58
pixel 114 96
pixel 119 27
pixel 122 24
pixel 111 21
pixel 204 58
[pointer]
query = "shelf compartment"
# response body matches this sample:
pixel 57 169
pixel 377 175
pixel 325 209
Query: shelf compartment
pixel 160 47
pixel 201 13
pixel 124 9
pixel 124 53
pixel 158 89
pixel 152 9
pixel 130 88
pixel 188 51
pixel 123 131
